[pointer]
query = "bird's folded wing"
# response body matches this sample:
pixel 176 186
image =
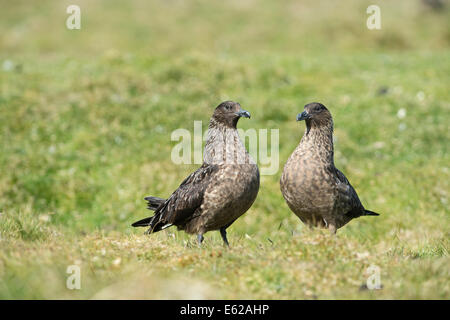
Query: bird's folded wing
pixel 347 198
pixel 184 201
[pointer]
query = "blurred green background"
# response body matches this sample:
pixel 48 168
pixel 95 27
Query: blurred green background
pixel 86 117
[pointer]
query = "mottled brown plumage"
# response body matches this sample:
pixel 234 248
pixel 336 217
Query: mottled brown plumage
pixel 314 189
pixel 217 193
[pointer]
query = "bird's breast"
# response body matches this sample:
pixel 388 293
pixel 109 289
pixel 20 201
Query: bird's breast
pixel 307 183
pixel 233 191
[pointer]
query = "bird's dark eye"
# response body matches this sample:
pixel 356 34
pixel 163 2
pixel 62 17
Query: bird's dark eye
pixel 228 107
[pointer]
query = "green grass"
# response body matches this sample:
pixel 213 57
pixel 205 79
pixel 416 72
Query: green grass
pixel 85 124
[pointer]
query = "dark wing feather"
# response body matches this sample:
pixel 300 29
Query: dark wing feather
pixel 184 202
pixel 154 202
pixel 347 199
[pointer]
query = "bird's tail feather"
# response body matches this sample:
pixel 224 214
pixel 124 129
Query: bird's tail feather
pixel 149 222
pixel 143 223
pixel 370 213
pixel 154 202
pixel 155 225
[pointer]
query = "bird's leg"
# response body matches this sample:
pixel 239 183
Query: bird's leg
pixel 200 239
pixel 332 228
pixel 223 233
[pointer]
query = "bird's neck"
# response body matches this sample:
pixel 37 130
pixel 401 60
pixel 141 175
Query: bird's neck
pixel 223 146
pixel 318 142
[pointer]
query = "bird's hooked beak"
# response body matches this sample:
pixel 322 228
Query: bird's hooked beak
pixel 303 116
pixel 243 113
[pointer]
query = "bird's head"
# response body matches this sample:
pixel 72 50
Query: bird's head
pixel 315 114
pixel 228 113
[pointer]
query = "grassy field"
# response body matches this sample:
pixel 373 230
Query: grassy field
pixel 86 118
